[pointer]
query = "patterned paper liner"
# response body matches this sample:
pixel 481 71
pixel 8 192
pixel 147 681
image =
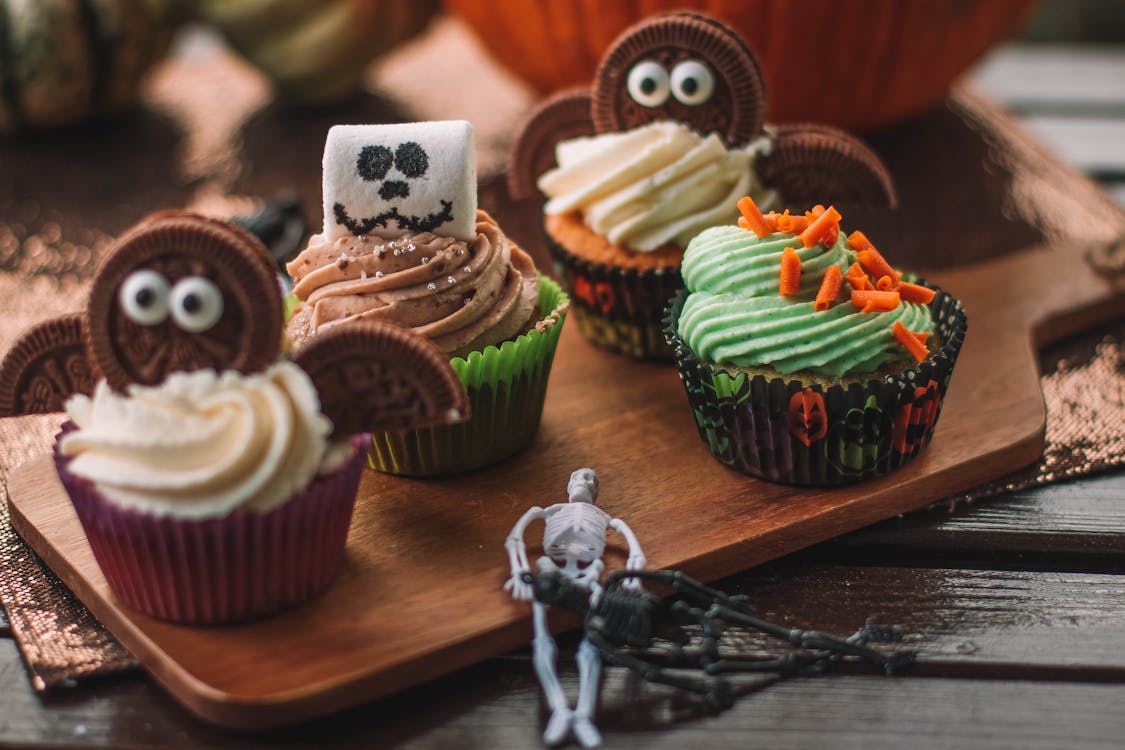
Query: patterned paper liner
pixel 618 308
pixel 214 571
pixel 507 386
pixel 780 430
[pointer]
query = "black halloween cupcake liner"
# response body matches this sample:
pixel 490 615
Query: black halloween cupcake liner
pixel 781 430
pixel 618 308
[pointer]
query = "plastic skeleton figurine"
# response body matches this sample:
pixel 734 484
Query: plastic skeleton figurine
pixel 574 542
pixel 635 629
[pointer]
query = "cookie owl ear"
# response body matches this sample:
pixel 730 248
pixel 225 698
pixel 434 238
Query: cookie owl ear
pixel 563 115
pixel 686 67
pixel 375 376
pixel 811 163
pixel 46 366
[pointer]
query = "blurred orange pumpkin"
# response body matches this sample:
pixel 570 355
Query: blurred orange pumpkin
pixel 859 64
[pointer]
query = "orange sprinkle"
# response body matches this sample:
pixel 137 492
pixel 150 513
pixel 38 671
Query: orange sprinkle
pixel 916 293
pixel 829 290
pixel 858 241
pixel 874 300
pixel 857 278
pixel 821 226
pixel 786 222
pixel 756 223
pixel 814 212
pixel 886 284
pixel 910 340
pixel 874 264
pixel 790 282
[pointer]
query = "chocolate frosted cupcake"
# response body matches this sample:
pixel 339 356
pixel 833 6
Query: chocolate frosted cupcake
pixel 404 243
pixel 215 481
pixel 807 359
pixel 672 135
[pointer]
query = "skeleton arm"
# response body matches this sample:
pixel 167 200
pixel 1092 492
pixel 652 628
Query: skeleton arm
pixel 636 559
pixel 517 554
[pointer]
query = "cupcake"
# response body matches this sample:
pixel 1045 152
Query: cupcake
pixel 661 147
pixel 807 359
pixel 404 243
pixel 215 480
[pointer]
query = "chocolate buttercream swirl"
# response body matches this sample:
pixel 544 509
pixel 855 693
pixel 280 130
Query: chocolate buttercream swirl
pixel 461 295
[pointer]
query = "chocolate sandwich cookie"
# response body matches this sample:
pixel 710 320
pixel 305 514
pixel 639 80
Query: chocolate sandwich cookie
pixel 685 67
pixel 565 114
pixel 812 163
pixel 181 292
pixel 46 366
pixel 376 376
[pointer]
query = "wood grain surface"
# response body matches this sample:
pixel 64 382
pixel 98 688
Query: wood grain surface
pixel 420 592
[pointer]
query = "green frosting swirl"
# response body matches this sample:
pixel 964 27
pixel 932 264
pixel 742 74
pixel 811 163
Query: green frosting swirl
pixel 734 314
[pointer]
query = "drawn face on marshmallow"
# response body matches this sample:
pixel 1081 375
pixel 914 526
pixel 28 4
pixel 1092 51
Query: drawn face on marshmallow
pixel 387 180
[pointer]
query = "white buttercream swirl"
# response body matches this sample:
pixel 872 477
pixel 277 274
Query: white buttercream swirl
pixel 202 444
pixel 653 185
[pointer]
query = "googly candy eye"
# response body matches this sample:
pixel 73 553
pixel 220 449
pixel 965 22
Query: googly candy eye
pixel 143 297
pixel 648 83
pixel 692 82
pixel 196 304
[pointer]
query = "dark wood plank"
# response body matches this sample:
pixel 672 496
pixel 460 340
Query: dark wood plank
pixel 1040 625
pixel 1077 525
pixel 497 705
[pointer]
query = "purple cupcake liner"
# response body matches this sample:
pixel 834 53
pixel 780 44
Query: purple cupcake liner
pixel 618 308
pixel 780 430
pixel 238 567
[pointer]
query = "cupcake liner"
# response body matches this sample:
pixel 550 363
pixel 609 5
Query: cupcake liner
pixel 780 430
pixel 506 385
pixel 618 308
pixel 213 571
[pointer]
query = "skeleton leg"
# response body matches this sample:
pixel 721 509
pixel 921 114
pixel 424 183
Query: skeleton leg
pixel 589 677
pixel 716 692
pixel 545 651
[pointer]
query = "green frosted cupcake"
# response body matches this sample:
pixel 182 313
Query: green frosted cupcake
pixel 829 374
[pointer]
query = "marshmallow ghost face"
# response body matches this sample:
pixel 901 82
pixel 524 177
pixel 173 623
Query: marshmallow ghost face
pixel 386 180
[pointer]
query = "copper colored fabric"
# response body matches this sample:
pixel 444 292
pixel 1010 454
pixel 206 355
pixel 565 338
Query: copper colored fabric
pixel 60 640
pixel 1084 387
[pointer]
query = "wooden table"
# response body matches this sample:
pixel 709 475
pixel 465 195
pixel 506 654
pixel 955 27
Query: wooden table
pixel 1017 605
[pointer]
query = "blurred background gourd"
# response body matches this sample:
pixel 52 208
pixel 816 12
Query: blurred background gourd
pixel 859 64
pixel 65 61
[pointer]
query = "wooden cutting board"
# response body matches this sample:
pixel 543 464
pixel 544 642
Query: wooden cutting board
pixel 420 593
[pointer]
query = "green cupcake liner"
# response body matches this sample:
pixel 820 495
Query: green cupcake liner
pixel 617 308
pixel 506 385
pixel 779 429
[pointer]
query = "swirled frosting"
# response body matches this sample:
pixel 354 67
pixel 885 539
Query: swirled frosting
pixel 202 444
pixel 735 315
pixel 653 185
pixel 461 295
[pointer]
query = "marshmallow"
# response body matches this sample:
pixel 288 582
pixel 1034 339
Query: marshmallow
pixel 386 180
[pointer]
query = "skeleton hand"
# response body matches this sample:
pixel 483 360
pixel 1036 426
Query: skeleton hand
pixel 635 562
pixel 520 585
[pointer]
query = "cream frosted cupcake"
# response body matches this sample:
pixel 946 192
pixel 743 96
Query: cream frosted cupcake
pixel 215 481
pixel 806 357
pixel 404 243
pixel 661 146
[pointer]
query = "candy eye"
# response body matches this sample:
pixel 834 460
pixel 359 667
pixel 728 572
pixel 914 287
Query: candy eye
pixel 196 304
pixel 144 297
pixel 692 82
pixel 648 83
